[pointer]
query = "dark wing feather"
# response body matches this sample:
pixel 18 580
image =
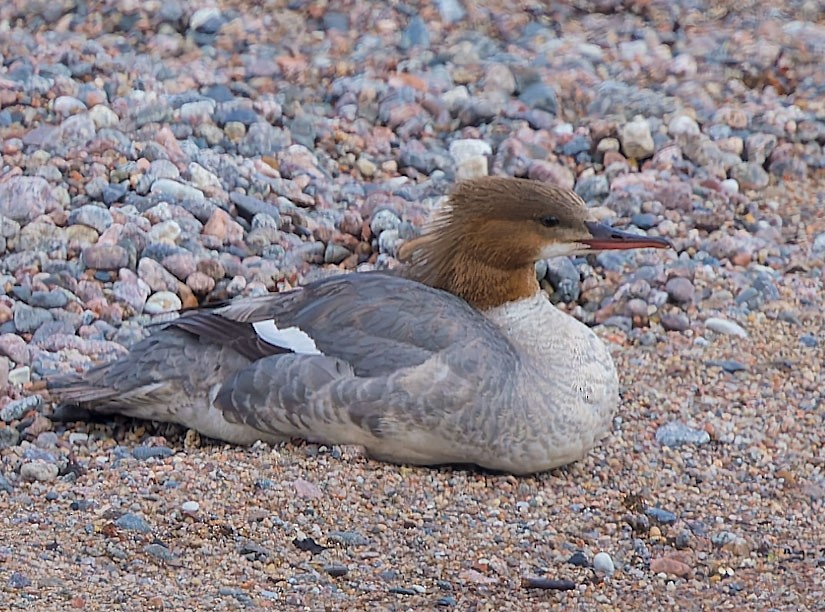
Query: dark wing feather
pixel 370 320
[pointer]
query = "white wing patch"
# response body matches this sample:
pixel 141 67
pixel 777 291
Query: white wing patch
pixel 290 338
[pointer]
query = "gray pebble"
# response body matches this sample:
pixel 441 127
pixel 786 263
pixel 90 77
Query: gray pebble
pixel 150 452
pixel 48 299
pixel 675 321
pixel 723 326
pixel 28 319
pixel 105 257
pixel 565 279
pixel 541 96
pixel 384 219
pixel 603 564
pixel 677 433
pixel 175 190
pixel 348 538
pixel 15 409
pixel 593 188
pixel 809 340
pixel 95 217
pixel 19 581
pixel 415 34
pixel 159 551
pixel 9 436
pixel 5 485
pixel 336 570
pixel 661 516
pixel 22 198
pixel 39 470
pixel 679 290
pixel 132 522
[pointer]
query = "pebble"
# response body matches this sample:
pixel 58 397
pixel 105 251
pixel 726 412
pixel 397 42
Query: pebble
pixel 637 141
pixel 680 290
pixel 132 522
pixel 15 409
pixel 40 471
pixel 603 564
pixel 162 301
pixel 152 452
pixel 96 217
pixel 23 198
pixel 176 190
pixel 723 326
pixel 190 507
pixel 105 257
pixel 676 433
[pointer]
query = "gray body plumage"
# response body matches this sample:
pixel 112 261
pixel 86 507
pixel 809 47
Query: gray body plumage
pixel 413 374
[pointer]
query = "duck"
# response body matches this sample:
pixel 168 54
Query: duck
pixel 460 358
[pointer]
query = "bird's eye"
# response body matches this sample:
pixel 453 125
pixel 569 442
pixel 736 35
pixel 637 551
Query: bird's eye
pixel 549 221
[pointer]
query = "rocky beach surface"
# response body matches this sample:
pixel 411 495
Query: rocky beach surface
pixel 160 155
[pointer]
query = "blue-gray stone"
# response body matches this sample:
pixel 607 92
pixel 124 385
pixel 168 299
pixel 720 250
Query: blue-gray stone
pixel 27 319
pixel 159 552
pixel 132 522
pixel 592 188
pixel 415 34
pixel 809 340
pixel 540 95
pixel 676 433
pixel 565 279
pixel 149 452
pixel 664 517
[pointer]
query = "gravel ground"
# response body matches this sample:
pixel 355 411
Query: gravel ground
pixel 160 155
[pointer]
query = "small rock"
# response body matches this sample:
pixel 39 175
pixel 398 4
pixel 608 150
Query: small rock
pixel 132 522
pixel 9 436
pixel 19 581
pixel 348 538
pixel 162 301
pixel 663 517
pixel 637 141
pixel 159 551
pixel 676 433
pixel 750 176
pixel 151 452
pixel 679 290
pixel 603 564
pixel 336 570
pixel 177 191
pixel 20 376
pixel 541 96
pixel 22 198
pixel 723 326
pixel 670 566
pixel 223 227
pixel 190 507
pixel 306 490
pixel 5 485
pixel 15 409
pixel 105 257
pixel 96 217
pixel 39 470
pixel 28 319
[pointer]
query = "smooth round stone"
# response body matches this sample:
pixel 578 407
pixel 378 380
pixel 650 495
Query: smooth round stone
pixel 68 105
pixel 602 563
pixel 680 290
pixel 162 301
pixel 190 507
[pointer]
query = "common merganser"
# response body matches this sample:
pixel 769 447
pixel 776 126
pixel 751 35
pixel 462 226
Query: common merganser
pixel 462 360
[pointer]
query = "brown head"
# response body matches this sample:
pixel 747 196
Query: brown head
pixel 484 243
